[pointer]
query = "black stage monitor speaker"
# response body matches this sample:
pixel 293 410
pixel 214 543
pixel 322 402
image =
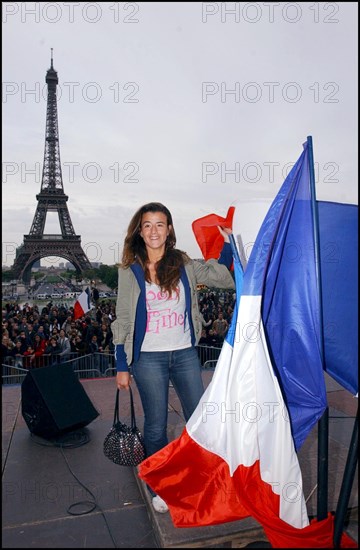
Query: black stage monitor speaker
pixel 54 401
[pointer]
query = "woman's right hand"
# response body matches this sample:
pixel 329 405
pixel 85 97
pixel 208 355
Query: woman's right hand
pixel 225 232
pixel 123 380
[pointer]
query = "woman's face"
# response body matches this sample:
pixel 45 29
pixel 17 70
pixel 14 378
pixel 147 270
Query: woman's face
pixel 154 230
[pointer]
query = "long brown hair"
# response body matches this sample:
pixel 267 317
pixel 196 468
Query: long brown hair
pixel 134 251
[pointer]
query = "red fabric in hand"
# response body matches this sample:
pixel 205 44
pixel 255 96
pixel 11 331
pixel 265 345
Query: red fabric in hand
pixel 207 234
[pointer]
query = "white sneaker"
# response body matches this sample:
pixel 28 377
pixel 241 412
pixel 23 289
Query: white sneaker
pixel 159 505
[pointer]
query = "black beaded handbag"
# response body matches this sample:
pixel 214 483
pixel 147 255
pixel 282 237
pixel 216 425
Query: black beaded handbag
pixel 124 445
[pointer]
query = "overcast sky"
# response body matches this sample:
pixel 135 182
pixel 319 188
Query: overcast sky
pixel 198 105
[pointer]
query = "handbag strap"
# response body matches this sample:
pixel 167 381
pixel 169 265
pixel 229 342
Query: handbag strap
pixel 132 409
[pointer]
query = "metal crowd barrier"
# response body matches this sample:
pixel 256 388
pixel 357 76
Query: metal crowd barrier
pixel 208 356
pixel 12 374
pixel 92 365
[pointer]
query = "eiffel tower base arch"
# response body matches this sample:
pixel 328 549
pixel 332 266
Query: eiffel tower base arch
pixel 35 248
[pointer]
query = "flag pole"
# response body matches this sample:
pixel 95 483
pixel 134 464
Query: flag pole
pixel 346 486
pixel 323 424
pixel 234 248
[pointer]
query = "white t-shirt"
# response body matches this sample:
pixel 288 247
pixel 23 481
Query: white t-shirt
pixel 165 328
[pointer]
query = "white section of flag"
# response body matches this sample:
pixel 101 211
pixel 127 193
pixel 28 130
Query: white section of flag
pixel 242 416
pixel 82 304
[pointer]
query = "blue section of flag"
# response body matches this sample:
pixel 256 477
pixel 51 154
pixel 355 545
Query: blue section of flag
pixel 87 290
pixel 239 279
pixel 282 270
pixel 338 236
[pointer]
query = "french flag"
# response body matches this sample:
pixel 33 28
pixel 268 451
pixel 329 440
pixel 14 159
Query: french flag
pixel 82 304
pixel 207 234
pixel 236 456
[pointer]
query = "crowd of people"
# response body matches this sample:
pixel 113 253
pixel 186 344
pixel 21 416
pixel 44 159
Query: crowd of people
pixel 33 338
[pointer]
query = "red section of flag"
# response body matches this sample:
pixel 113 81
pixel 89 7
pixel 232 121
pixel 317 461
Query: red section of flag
pixel 78 311
pixel 209 495
pixel 207 234
pixel 82 304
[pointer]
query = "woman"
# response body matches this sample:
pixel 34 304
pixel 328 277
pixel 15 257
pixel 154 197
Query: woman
pixel 158 323
pixel 39 350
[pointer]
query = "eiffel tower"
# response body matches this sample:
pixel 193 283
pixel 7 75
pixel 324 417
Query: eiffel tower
pixel 51 198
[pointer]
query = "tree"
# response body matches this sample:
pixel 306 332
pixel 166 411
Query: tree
pixel 109 275
pixel 8 276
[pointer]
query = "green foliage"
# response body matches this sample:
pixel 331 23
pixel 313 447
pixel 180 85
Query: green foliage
pixel 53 279
pixel 7 276
pixel 90 273
pixel 109 275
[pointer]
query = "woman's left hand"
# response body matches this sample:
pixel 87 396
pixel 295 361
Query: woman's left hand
pixel 225 232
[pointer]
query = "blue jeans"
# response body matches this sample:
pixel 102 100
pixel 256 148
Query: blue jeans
pixel 152 373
